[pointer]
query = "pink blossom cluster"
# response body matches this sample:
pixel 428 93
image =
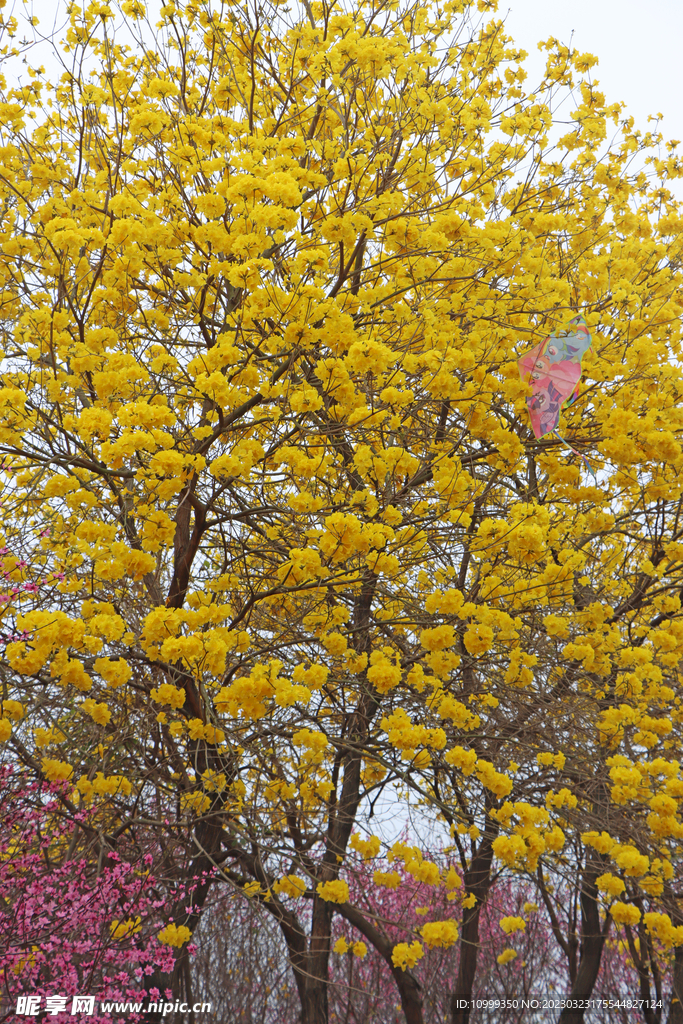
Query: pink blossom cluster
pixel 64 928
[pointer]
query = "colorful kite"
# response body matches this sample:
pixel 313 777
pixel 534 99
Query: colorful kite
pixel 553 369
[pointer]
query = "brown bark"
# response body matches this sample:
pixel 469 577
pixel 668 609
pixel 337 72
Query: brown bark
pixel 209 840
pixel 185 543
pixel 592 943
pixel 408 987
pixel 644 962
pixel 675 1015
pixel 341 821
pixel 314 1008
pixel 478 882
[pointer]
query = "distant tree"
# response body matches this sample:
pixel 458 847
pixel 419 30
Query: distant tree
pixel 69 925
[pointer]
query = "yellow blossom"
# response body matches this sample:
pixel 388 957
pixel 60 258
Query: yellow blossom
pixel 334 892
pixel 124 929
pixel 512 924
pixel 174 935
pixel 439 933
pixel 405 956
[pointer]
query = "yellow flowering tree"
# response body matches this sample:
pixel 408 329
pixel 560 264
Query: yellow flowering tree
pixel 278 539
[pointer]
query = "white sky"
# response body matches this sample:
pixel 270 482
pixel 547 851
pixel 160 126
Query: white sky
pixel 638 46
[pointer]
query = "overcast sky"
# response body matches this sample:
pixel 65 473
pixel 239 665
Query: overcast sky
pixel 638 44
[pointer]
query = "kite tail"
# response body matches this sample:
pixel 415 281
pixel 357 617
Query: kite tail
pixel 576 452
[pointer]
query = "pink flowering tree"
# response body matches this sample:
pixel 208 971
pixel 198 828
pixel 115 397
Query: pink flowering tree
pixel 72 924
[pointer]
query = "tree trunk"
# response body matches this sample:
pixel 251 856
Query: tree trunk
pixel 592 943
pixel 477 881
pixel 342 817
pixel 676 1004
pixel 314 1008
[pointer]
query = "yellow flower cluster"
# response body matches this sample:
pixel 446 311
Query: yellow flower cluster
pixel 512 924
pixel 405 956
pixel 368 848
pixel 384 673
pixel 166 693
pixel 610 884
pixel 248 695
pixel 335 891
pixel 195 803
pixel 116 673
pixel 456 712
pixel 48 737
pixel 406 736
pixel 314 743
pixel 103 785
pixel 290 885
pixel 13 709
pixel 99 713
pixel 174 935
pixel 387 879
pixel 496 781
pixel 439 933
pixel 55 770
pixel 121 930
pixel 358 949
pixel 625 913
pixel 421 870
pixel 661 927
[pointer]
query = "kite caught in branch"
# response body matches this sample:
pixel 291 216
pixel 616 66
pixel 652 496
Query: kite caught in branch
pixel 553 369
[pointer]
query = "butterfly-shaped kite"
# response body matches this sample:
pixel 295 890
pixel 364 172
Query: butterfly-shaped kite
pixel 553 369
